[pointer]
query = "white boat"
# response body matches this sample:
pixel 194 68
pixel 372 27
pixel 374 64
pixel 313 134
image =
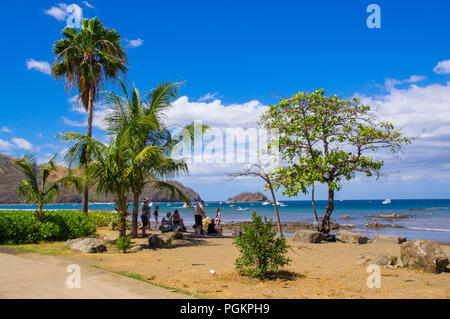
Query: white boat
pixel 151 204
pixel 267 202
pixel 386 201
pixel 240 208
pixel 232 205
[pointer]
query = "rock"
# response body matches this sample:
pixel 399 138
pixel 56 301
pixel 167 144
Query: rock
pixel 346 217
pixel 308 236
pixel 69 242
pixel 113 226
pixel 378 259
pixel 88 245
pixel 423 254
pixel 163 240
pixel 393 216
pixel 351 237
pixel 111 237
pixel 389 238
pixel 136 248
pixel 248 197
pixel 330 237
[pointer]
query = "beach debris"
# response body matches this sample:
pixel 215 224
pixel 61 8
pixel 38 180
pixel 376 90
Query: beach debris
pixel 308 236
pixel 423 254
pixel 346 236
pixel 389 238
pixel 346 217
pixel 86 245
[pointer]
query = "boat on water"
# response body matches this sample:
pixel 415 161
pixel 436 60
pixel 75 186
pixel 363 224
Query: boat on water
pixel 386 201
pixel 240 208
pixel 267 202
pixel 232 205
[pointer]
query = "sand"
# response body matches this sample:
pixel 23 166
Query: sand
pixel 326 270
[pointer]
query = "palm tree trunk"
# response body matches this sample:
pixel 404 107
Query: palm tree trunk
pixel 85 197
pixel 280 230
pixel 39 212
pixel 134 216
pixel 314 202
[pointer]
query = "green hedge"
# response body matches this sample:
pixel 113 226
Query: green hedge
pixel 21 227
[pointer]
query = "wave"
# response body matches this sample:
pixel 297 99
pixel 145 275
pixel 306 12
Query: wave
pixel 429 229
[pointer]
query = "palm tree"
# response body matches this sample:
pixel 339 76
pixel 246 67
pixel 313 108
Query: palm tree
pixel 141 124
pixel 87 60
pixel 38 189
pixel 112 167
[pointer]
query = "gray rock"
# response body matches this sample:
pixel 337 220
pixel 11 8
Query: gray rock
pixel 423 254
pixel 346 217
pixel 69 242
pixel 113 226
pixel 346 236
pixel 377 259
pixel 308 236
pixel 88 245
pixel 160 241
pixel 136 248
pixel 108 238
pixel 389 238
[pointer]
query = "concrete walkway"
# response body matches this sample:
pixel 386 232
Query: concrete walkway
pixel 28 275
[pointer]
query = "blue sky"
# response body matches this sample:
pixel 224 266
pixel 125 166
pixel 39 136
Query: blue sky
pixel 237 58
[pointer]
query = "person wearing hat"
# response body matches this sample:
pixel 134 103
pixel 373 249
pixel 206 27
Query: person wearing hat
pixel 145 215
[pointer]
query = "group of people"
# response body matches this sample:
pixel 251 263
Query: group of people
pixel 205 225
pixel 173 222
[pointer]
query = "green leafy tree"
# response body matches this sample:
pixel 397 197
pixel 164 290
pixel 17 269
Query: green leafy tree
pixel 87 60
pixel 36 188
pixel 261 252
pixel 327 140
pixel 141 124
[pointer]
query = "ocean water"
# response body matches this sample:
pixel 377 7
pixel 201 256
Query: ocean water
pixel 431 216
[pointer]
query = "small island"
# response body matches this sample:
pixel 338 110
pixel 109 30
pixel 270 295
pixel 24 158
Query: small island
pixel 248 197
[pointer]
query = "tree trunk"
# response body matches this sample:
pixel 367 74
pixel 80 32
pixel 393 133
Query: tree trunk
pixel 123 214
pixel 325 224
pixel 280 231
pixel 39 212
pixel 314 202
pixel 85 197
pixel 134 216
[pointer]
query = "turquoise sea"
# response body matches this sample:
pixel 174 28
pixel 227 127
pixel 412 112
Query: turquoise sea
pixel 431 216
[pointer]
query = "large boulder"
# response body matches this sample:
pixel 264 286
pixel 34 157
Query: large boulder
pixel 88 245
pixel 308 236
pixel 110 237
pixel 377 259
pixel 163 240
pixel 389 239
pixel 346 236
pixel 423 254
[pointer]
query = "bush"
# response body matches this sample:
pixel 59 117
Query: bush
pixel 21 227
pixel 261 251
pixel 103 218
pixel 123 243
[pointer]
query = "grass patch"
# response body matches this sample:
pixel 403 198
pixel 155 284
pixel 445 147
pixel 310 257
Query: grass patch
pixel 141 278
pixel 44 248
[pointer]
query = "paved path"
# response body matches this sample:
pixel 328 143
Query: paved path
pixel 28 275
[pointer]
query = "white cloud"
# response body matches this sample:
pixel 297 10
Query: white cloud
pixel 391 83
pixel 5 145
pixel 59 12
pixel 22 143
pixel 41 66
pixel 5 129
pixel 207 97
pixel 443 67
pixel 87 4
pixel 135 43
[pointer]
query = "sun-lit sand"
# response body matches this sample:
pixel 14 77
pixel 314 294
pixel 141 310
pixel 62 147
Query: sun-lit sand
pixel 326 270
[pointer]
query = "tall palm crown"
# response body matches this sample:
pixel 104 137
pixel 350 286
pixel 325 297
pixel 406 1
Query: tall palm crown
pixel 87 60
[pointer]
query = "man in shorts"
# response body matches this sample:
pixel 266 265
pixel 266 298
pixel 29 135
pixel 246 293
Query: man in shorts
pixel 199 214
pixel 145 215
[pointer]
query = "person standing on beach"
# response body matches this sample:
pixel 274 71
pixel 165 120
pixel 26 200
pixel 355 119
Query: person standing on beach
pixel 199 214
pixel 145 215
pixel 155 213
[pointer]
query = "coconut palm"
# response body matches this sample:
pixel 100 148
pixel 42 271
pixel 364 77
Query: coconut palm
pixel 87 60
pixel 112 167
pixel 141 124
pixel 38 189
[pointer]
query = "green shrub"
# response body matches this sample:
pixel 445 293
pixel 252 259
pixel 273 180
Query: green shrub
pixel 261 251
pixel 21 227
pixel 123 243
pixel 103 218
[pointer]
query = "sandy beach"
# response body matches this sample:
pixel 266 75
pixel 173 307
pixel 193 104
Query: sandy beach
pixel 326 270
